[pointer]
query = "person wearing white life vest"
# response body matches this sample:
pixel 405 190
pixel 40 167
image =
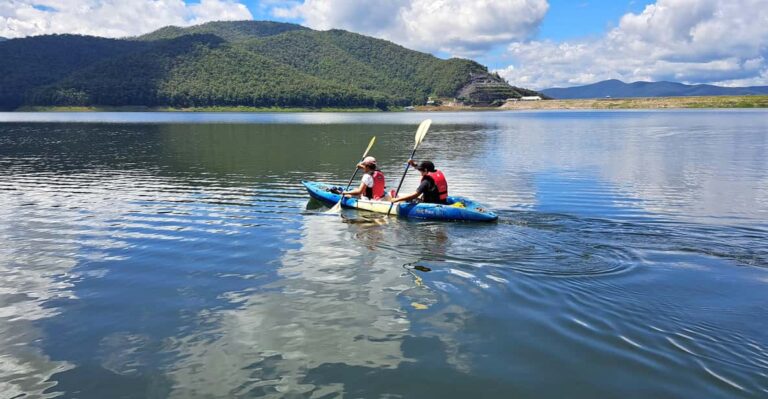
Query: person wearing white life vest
pixel 372 183
pixel 433 187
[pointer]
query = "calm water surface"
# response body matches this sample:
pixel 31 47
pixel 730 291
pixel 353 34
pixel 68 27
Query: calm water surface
pixel 176 255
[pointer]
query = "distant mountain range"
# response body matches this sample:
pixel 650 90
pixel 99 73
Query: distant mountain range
pixel 236 63
pixel 618 89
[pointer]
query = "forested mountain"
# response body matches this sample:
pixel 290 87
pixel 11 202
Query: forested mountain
pixel 227 30
pixel 251 63
pixel 29 64
pixel 618 89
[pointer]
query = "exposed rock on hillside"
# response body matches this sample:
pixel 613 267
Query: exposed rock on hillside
pixel 487 88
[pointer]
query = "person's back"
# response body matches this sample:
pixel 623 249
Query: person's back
pixel 376 190
pixel 435 190
pixel 433 187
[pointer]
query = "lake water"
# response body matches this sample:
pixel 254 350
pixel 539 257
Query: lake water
pixel 154 255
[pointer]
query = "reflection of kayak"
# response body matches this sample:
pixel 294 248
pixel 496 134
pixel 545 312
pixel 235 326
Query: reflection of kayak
pixel 458 208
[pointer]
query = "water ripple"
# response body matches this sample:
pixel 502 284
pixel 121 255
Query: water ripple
pixel 185 260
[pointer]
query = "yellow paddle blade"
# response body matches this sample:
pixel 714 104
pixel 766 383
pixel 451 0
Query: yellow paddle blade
pixel 421 132
pixel 373 139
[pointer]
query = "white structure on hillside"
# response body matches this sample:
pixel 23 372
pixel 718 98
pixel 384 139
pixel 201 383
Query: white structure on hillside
pixel 530 98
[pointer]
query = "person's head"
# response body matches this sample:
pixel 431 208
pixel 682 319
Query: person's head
pixel 369 163
pixel 426 167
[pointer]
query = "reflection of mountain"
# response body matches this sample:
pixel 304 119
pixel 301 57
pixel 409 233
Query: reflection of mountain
pixel 667 160
pixel 268 150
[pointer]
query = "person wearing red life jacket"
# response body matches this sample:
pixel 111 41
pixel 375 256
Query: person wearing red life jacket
pixel 372 183
pixel 433 187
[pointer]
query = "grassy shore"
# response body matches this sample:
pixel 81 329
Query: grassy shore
pixel 645 103
pixel 604 103
pixel 192 109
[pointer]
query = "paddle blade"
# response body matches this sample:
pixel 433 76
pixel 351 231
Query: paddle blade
pixel 421 132
pixel 365 154
pixel 336 209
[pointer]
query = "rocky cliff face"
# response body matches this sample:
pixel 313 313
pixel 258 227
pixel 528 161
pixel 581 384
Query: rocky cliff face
pixel 485 88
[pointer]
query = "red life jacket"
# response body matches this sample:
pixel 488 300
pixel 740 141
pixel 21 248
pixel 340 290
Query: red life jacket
pixel 377 191
pixel 442 185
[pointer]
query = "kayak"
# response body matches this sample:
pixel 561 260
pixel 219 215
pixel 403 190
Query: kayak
pixel 456 208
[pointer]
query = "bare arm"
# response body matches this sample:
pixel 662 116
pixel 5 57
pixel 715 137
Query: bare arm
pixel 354 192
pixel 405 197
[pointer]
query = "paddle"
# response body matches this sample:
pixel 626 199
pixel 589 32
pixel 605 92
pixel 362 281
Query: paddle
pixel 420 133
pixel 337 208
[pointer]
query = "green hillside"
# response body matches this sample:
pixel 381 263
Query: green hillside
pixel 230 31
pixel 248 63
pixel 28 64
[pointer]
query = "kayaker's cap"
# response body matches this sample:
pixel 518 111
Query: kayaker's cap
pixel 370 161
pixel 426 166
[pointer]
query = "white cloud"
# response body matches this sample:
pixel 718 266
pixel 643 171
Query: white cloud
pixel 110 18
pixel 693 41
pixel 464 28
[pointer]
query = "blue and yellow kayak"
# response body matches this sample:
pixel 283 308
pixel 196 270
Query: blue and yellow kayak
pixel 457 208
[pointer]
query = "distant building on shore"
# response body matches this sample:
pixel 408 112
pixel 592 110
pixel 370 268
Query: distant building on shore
pixel 530 98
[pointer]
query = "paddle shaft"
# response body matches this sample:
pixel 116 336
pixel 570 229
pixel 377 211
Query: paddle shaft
pixel 352 178
pixel 408 165
pixel 338 205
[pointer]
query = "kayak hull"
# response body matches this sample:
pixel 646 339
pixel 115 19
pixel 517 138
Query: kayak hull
pixel 468 211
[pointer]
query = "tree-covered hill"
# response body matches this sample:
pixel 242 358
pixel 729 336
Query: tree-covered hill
pixel 248 63
pixel 231 31
pixel 27 64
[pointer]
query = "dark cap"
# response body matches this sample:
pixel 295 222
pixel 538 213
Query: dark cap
pixel 426 165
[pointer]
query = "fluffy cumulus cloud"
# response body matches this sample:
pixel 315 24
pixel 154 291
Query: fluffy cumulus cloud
pixel 110 18
pixel 693 41
pixel 456 27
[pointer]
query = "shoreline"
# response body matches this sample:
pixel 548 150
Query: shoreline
pixel 140 108
pixel 697 102
pixel 692 102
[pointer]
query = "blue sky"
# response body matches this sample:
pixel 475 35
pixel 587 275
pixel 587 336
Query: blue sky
pixel 574 19
pixel 532 43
